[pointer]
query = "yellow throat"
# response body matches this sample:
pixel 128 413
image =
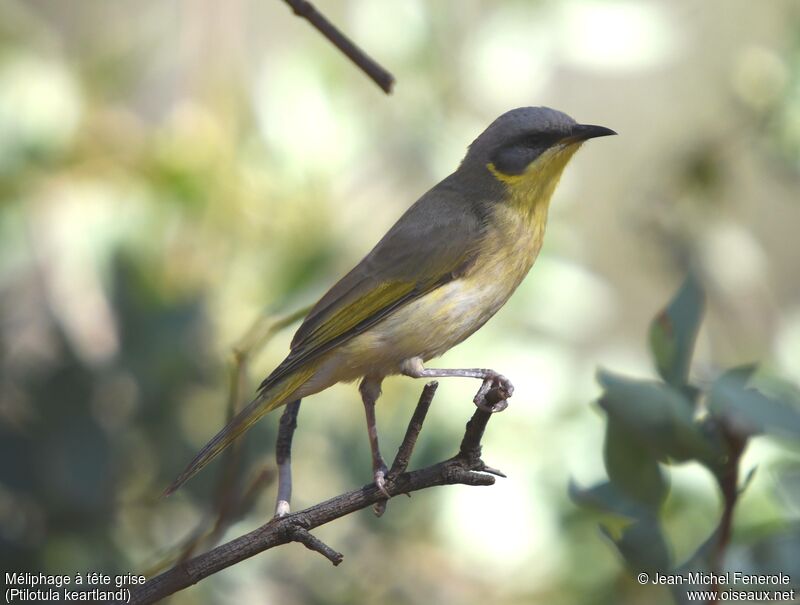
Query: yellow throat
pixel 530 192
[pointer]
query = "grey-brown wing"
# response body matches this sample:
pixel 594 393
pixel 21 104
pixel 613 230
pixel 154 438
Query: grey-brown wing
pixel 432 243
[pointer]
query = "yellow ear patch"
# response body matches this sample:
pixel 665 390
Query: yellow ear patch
pixel 508 179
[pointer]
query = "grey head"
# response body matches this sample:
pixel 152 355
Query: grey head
pixel 519 136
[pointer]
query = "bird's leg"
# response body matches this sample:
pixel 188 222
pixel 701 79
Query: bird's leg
pixel 283 457
pixel 370 389
pixel 491 380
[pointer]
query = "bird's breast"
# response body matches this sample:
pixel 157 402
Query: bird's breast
pixel 509 249
pixel 442 318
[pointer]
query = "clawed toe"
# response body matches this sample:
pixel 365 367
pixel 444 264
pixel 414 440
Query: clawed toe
pixel 492 408
pixel 493 394
pixel 503 383
pixel 380 482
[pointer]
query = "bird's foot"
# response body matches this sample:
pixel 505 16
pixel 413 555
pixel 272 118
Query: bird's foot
pixel 380 480
pixel 493 395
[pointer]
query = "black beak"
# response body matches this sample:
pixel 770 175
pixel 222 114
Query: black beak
pixel 583 132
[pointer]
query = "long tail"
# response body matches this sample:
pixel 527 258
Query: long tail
pixel 266 401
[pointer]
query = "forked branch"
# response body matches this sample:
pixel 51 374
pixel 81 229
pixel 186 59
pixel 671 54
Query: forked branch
pixel 466 468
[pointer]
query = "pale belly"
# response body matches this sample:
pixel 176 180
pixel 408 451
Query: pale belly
pixel 436 322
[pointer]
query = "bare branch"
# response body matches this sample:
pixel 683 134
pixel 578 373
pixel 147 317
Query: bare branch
pixel 364 62
pixel 471 444
pixel 729 486
pixel 231 500
pixel 414 427
pixel 465 468
pixel 403 456
pixel 311 542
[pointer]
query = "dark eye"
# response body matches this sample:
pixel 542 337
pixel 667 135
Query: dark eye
pixel 533 141
pixel 541 141
pixel 513 159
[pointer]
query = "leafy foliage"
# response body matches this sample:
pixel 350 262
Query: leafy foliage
pixel 674 331
pixel 652 425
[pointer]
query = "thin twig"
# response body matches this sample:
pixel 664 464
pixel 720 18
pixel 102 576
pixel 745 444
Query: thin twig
pixel 263 329
pixel 465 468
pixel 365 63
pixel 403 456
pixel 729 486
pixel 311 542
pixel 231 501
pixel 471 444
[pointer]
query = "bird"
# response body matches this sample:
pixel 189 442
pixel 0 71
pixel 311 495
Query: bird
pixel 448 264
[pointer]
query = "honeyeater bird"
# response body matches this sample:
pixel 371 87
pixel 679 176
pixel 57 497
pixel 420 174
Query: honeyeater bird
pixel 445 267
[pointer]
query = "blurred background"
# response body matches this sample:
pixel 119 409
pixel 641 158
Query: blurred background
pixel 172 171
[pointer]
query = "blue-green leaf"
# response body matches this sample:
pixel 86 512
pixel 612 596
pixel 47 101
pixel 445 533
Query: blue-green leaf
pixel 608 499
pixel 658 415
pixel 748 411
pixel 643 546
pixel 674 330
pixel 632 468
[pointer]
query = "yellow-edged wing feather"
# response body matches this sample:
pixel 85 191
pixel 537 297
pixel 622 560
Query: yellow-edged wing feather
pixel 432 243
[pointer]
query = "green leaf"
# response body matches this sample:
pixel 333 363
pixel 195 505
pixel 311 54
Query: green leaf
pixel 674 330
pixel 643 546
pixel 776 548
pixel 699 561
pixel 764 548
pixel 748 411
pixel 608 499
pixel 658 416
pixel 632 468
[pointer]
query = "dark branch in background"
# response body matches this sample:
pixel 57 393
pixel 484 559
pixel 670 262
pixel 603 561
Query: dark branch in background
pixel 729 486
pixel 465 468
pixel 232 499
pixel 364 62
